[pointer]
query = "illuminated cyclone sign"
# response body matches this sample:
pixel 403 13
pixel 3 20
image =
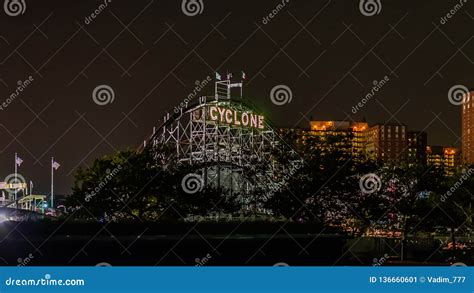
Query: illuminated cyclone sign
pixel 235 117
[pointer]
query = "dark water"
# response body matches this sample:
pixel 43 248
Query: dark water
pixel 191 244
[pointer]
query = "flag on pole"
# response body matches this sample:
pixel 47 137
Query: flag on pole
pixel 218 76
pixel 18 161
pixel 55 165
pixel 244 76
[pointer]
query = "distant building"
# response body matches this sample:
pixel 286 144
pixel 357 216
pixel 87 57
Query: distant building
pixel 447 157
pixel 346 135
pixel 387 143
pixel 417 144
pixel 294 136
pixel 468 129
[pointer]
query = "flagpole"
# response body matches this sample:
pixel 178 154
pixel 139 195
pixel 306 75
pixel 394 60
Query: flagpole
pixel 16 176
pixel 52 184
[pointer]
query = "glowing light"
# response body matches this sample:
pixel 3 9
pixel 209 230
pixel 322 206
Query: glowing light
pixel 229 116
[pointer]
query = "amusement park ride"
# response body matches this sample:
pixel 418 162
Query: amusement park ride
pixel 15 195
pixel 229 144
pixel 17 199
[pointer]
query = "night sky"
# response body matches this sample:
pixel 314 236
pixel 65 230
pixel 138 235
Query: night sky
pixel 151 54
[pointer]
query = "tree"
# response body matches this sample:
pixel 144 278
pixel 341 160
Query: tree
pixel 324 188
pixel 452 204
pixel 138 185
pixel 405 191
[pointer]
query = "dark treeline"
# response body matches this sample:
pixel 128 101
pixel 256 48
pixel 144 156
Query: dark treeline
pixel 327 189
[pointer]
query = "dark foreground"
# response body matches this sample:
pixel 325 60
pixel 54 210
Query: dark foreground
pixel 199 244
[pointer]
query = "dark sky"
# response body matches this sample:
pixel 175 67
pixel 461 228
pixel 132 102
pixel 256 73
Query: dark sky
pixel 327 52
